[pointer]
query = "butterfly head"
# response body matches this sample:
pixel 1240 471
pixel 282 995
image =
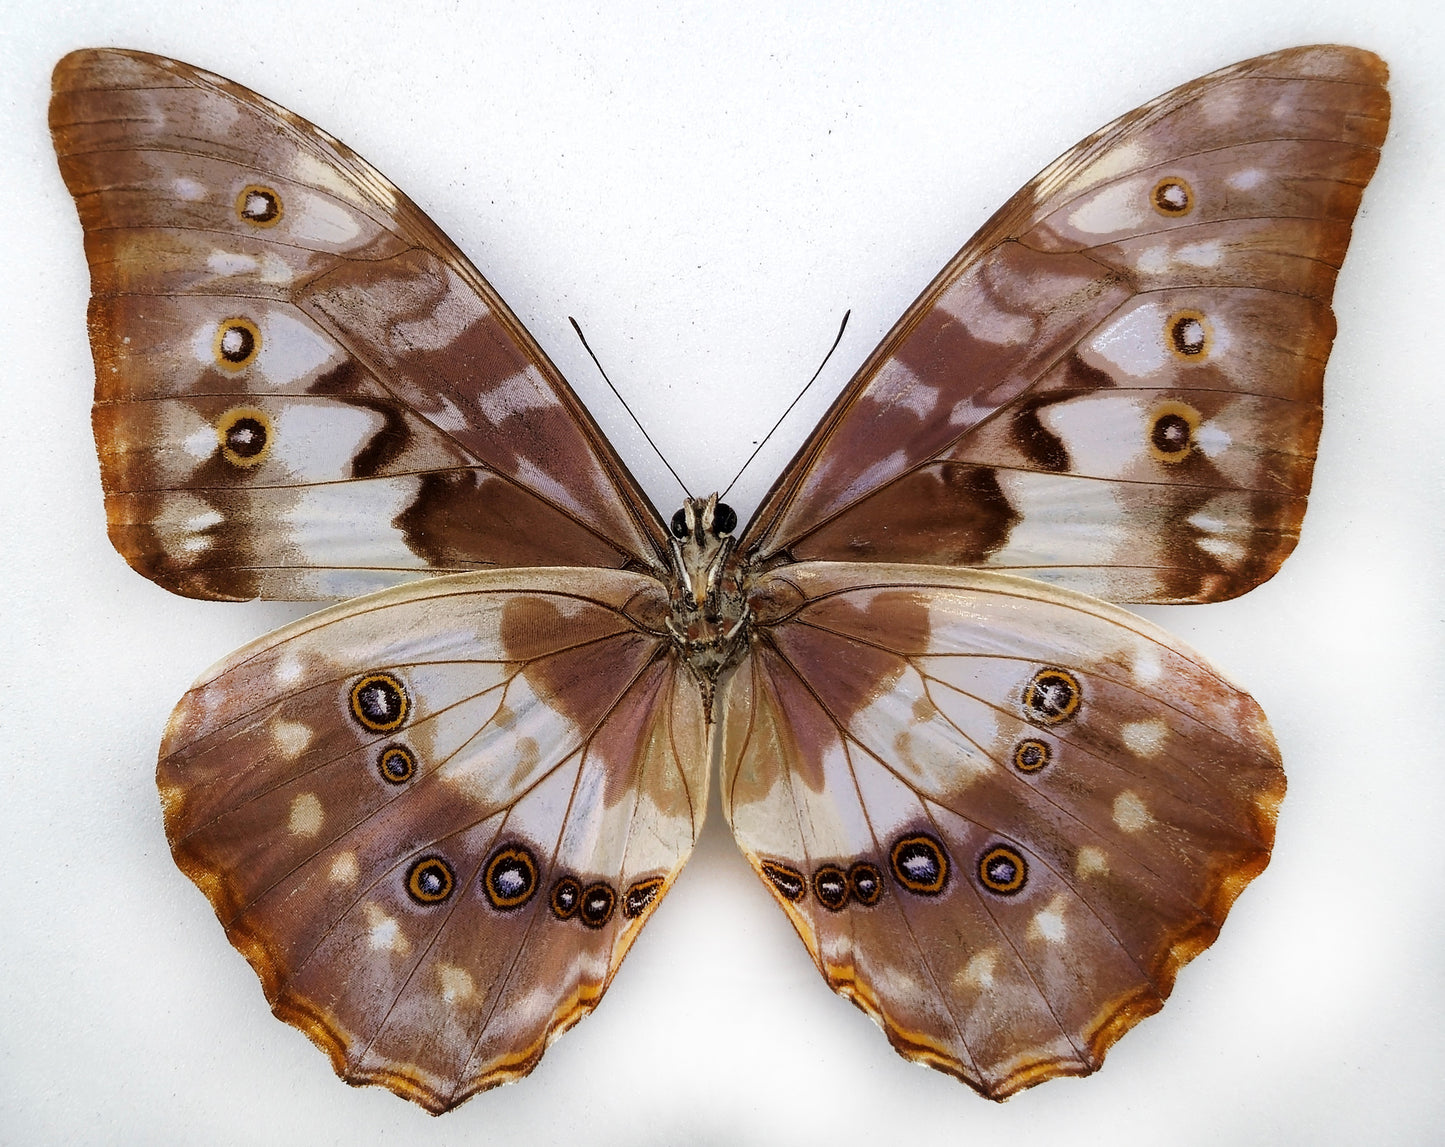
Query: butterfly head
pixel 709 613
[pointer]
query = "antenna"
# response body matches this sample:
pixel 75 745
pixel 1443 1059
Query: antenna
pixel 841 328
pixel 627 408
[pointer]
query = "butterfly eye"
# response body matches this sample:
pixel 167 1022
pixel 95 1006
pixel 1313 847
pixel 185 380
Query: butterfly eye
pixel 724 519
pixel 679 524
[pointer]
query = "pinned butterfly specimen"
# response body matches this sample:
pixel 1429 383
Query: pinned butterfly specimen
pixel 1000 812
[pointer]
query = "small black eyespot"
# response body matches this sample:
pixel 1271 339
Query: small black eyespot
pixel 724 519
pixel 679 524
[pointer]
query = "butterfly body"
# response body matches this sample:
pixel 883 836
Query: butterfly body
pixel 1000 811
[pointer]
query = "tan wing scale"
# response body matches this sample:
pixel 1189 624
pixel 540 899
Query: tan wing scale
pixel 435 819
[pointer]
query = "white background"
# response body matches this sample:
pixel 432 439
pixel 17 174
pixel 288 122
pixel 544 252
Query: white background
pixel 707 190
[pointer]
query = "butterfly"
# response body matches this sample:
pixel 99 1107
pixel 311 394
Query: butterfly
pixel 1000 811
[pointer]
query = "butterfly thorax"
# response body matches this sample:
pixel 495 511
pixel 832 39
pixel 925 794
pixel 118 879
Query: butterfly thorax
pixel 709 615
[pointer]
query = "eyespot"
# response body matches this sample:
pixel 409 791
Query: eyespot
pixel 830 886
pixel 1172 196
pixel 259 205
pixel 640 895
pixel 1189 336
pixel 865 882
pixel 1172 429
pixel 510 877
pixel 788 881
pixel 920 864
pixel 598 900
pixel 679 525
pixel 1052 696
pixel 379 702
pixel 244 434
pixel 1032 755
pixel 1002 870
pixel 566 896
pixel 724 520
pixel 237 343
pixel 396 764
pixel 430 880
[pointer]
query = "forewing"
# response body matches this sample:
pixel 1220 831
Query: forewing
pixel 1115 386
pixel 1000 815
pixel 434 819
pixel 303 389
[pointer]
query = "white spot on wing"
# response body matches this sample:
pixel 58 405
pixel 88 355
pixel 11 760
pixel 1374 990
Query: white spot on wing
pixel 188 189
pixel 231 263
pixel 1145 738
pixel 291 738
pixel 344 869
pixel 1091 861
pixel 1048 923
pixel 1212 439
pixel 306 815
pixel 1130 812
pixel 1117 208
pixel 1246 180
pixel 1133 342
pixel 978 972
pixel 384 932
pixel 456 983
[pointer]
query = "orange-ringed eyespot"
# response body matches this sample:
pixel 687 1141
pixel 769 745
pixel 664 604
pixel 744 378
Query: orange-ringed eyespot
pixel 244 435
pixel 920 864
pixel 1052 696
pixel 396 764
pixel 237 343
pixel 1172 196
pixel 788 881
pixel 1188 334
pixel 598 900
pixel 379 702
pixel 510 877
pixel 1032 755
pixel 566 895
pixel 1002 870
pixel 430 880
pixel 865 882
pixel 259 205
pixel 830 886
pixel 640 895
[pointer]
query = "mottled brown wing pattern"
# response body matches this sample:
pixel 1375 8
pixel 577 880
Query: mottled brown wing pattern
pixel 1115 386
pixel 1000 815
pixel 434 819
pixel 303 390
